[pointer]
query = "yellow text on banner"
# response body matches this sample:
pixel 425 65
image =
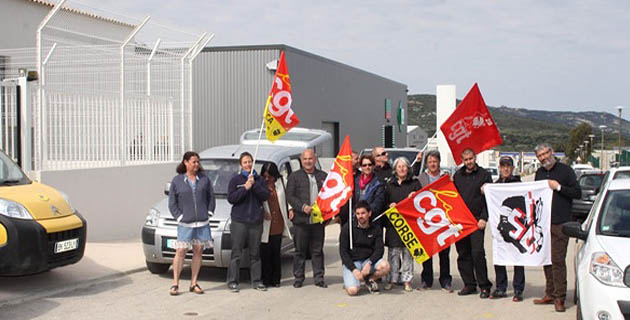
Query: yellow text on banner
pixel 407 235
pixel 274 129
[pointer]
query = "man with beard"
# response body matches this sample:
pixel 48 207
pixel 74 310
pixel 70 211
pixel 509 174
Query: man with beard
pixel 471 259
pixel 563 182
pixel 382 170
pixel 364 261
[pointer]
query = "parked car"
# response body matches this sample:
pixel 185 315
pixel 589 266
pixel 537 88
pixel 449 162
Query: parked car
pixel 589 182
pixel 220 164
pixel 602 259
pixel 494 172
pixel 39 228
pixel 579 168
pixel 614 174
pixel 393 153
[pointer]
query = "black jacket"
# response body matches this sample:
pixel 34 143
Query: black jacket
pixel 469 187
pixel 509 179
pixel 395 192
pixel 299 193
pixel 247 205
pixel 383 173
pixel 569 190
pixel 367 244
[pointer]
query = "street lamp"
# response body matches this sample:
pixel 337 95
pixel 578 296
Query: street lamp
pixel 619 108
pixel 601 159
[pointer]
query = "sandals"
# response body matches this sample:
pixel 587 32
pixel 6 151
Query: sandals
pixel 173 290
pixel 196 289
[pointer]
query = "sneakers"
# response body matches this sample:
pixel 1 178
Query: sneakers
pixel 447 287
pixel 298 284
pixel 485 293
pixel 260 287
pixel 408 287
pixel 423 286
pixel 233 287
pixel 498 294
pixel 388 286
pixel 372 286
pixel 321 284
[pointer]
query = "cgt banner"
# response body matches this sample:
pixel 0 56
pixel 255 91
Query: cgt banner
pixel 337 187
pixel 279 117
pixel 519 215
pixel 432 219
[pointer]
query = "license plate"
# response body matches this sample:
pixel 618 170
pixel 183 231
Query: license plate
pixel 170 243
pixel 67 245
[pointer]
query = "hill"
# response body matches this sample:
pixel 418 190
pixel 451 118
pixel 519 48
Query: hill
pixel 521 129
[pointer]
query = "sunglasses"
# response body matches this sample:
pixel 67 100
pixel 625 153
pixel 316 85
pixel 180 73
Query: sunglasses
pixel 384 153
pixel 367 164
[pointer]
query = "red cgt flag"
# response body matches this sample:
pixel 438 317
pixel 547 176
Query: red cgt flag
pixel 279 117
pixel 338 186
pixel 432 219
pixel 470 126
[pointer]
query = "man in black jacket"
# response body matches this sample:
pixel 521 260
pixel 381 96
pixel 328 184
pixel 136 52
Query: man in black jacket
pixel 302 189
pixel 564 183
pixel 382 169
pixel 506 169
pixel 471 256
pixel 364 261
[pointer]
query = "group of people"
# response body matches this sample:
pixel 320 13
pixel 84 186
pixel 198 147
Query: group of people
pixel 261 212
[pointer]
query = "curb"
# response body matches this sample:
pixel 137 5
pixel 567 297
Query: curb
pixel 73 287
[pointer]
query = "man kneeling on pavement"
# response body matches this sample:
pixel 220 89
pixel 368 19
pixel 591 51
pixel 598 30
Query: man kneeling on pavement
pixel 364 261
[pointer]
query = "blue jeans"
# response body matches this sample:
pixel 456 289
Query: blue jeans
pixel 349 280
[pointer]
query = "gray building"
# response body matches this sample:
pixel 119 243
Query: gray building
pixel 231 85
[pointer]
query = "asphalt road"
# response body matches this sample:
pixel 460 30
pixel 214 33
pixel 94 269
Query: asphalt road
pixel 141 295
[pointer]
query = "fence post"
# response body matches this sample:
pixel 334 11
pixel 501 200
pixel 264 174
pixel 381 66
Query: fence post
pixel 190 88
pixel 121 122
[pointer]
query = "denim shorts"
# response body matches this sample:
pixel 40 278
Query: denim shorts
pixel 187 237
pixel 349 279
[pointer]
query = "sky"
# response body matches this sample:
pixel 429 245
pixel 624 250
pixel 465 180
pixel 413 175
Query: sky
pixel 563 55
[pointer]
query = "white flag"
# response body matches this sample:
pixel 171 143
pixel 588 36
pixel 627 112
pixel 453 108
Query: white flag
pixel 519 215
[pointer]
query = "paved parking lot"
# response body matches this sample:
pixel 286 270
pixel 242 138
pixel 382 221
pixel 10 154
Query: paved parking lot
pixel 128 293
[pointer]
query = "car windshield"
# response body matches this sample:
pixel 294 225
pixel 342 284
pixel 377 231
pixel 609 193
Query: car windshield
pixel 10 173
pixel 220 171
pixel 615 215
pixel 591 181
pixel 621 175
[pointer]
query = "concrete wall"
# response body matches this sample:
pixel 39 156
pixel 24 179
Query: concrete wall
pixel 115 201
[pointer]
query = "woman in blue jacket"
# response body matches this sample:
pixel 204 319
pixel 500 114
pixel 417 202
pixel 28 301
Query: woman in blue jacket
pixel 368 187
pixel 246 192
pixel 191 201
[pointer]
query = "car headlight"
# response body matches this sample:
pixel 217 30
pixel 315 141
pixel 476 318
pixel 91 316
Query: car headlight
pixel 604 269
pixel 227 226
pixel 13 209
pixel 67 199
pixel 152 218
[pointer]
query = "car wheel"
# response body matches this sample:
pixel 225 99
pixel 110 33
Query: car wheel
pixel 157 268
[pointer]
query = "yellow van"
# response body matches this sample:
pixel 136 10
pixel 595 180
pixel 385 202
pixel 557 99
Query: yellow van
pixel 39 229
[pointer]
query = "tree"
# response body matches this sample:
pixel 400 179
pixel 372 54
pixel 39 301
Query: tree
pixel 577 136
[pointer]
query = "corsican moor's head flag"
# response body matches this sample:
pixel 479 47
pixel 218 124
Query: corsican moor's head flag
pixel 470 126
pixel 279 116
pixel 519 215
pixel 337 187
pixel 432 219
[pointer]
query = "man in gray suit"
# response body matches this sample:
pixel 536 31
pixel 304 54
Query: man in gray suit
pixel 302 189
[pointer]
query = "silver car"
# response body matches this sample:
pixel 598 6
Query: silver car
pixel 220 163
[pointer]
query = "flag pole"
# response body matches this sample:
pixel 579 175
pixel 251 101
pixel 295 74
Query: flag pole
pixel 422 150
pixel 262 125
pixel 351 213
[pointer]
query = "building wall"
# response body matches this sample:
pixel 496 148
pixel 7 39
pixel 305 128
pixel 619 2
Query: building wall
pixel 231 86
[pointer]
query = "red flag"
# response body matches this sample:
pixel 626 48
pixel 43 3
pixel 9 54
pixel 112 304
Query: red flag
pixel 337 187
pixel 432 219
pixel 470 126
pixel 279 116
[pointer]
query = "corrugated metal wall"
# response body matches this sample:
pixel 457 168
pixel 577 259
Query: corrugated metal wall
pixel 231 85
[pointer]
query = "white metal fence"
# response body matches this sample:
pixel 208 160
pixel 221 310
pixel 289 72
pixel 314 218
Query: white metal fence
pixel 112 90
pixel 8 119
